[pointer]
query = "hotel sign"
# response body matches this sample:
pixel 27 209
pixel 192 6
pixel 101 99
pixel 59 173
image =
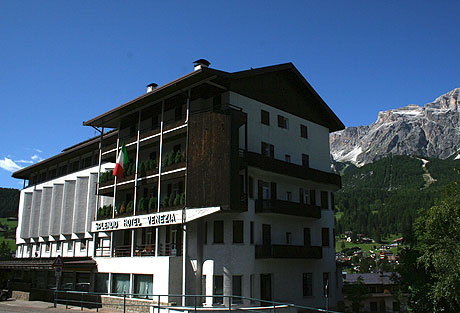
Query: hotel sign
pixel 149 220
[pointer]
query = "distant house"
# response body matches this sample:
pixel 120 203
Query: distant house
pixel 381 293
pixel 399 241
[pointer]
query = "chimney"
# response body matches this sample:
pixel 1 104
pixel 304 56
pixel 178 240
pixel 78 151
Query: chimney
pixel 199 64
pixel 151 86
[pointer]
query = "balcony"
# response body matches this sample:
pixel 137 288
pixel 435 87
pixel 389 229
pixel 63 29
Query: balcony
pixel 290 169
pixel 287 207
pixel 167 249
pixel 288 252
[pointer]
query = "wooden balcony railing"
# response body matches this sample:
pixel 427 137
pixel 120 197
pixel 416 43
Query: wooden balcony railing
pixel 290 169
pixel 288 252
pixel 287 207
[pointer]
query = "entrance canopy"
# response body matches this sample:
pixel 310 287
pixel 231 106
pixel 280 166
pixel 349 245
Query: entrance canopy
pixel 154 219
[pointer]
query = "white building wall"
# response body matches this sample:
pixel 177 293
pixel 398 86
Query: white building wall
pixel 286 141
pixel 55 211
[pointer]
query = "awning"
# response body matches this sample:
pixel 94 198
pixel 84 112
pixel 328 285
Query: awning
pixel 154 219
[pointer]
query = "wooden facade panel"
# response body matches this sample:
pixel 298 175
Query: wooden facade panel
pixel 209 160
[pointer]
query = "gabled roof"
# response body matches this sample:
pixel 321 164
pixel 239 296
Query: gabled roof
pixel 281 86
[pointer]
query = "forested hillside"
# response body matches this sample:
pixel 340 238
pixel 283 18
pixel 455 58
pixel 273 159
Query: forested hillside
pixel 9 202
pixel 383 197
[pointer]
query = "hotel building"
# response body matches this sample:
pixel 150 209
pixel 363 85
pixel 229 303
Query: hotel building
pixel 228 191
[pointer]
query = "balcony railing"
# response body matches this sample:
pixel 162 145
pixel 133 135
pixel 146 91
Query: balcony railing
pixel 168 249
pixel 287 207
pixel 285 168
pixel 288 252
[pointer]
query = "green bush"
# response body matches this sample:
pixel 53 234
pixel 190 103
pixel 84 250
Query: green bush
pixel 164 161
pixel 177 200
pixel 122 209
pixel 171 200
pixel 171 158
pixel 130 208
pixel 142 170
pixel 165 201
pixel 182 198
pixel 140 205
pixel 152 203
pixel 149 165
pixel 183 157
pixel 177 158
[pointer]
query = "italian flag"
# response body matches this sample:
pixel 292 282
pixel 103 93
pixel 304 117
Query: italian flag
pixel 121 162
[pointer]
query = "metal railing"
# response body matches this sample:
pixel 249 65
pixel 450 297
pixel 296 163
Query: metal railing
pixel 159 303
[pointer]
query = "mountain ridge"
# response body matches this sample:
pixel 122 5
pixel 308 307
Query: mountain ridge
pixel 431 130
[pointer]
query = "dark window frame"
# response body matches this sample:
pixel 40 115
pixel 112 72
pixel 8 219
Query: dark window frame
pixel 307 284
pixel 218 232
pixel 265 117
pixel 304 131
pixel 238 231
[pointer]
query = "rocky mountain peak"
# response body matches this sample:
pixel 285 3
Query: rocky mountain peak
pixel 431 130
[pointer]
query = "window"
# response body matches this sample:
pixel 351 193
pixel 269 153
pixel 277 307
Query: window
pixel 143 286
pixel 251 240
pixel 307 237
pixel 59 246
pixel 251 187
pixel 288 238
pixel 313 196
pixel 102 282
pixel 326 286
pixel 324 200
pixel 325 237
pixel 373 306
pixel 303 131
pixel 288 196
pixel 303 196
pixel 287 158
pixel 47 247
pixel 83 245
pixel 120 283
pixel 218 231
pixel 305 160
pixel 218 289
pixel 238 231
pixel 69 245
pixel 307 284
pixel 264 117
pixel 236 288
pixel 74 166
pixel 267 150
pixel 382 306
pixel 283 122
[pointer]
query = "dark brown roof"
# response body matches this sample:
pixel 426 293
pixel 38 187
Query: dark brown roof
pixel 67 152
pixel 241 82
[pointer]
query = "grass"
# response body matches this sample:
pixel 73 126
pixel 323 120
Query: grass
pixel 11 225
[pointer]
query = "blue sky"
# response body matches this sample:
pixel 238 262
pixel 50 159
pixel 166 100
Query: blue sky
pixel 64 62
